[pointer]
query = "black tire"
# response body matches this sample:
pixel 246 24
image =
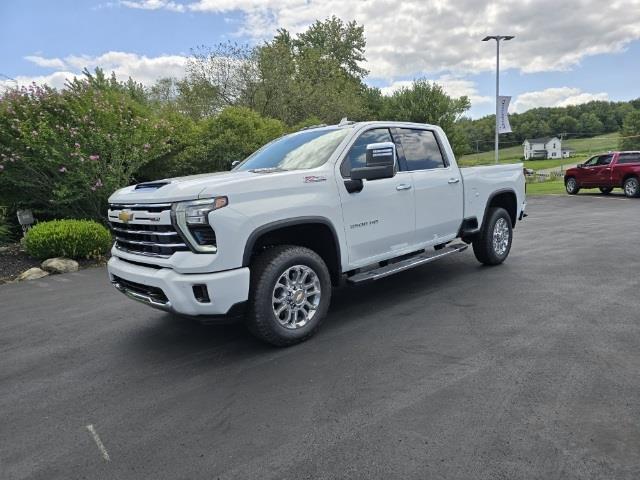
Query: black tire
pixel 571 185
pixel 606 190
pixel 266 271
pixel 483 245
pixel 631 187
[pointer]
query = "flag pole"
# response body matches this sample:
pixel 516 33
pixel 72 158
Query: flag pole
pixel 497 94
pixel 497 38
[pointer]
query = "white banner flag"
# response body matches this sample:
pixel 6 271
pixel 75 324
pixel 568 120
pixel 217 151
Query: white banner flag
pixel 503 114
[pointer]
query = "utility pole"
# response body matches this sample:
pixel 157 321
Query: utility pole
pixel 497 38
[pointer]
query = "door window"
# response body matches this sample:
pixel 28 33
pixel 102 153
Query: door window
pixel 421 149
pixel 357 156
pixel 629 158
pixel 591 162
pixel 605 159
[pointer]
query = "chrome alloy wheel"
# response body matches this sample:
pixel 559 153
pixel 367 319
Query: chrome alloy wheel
pixel 571 185
pixel 631 187
pixel 296 296
pixel 500 237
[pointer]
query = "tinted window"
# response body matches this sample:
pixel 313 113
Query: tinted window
pixel 605 159
pixel 421 149
pixel 357 156
pixel 629 158
pixel 591 162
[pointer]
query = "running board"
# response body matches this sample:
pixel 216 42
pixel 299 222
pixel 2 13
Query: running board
pixel 406 264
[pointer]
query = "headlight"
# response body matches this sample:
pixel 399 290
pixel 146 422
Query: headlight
pixel 191 219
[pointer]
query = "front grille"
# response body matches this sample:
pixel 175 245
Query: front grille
pixel 150 239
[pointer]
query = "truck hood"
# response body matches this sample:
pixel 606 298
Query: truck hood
pixel 177 189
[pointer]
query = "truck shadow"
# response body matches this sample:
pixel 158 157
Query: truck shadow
pixel 169 338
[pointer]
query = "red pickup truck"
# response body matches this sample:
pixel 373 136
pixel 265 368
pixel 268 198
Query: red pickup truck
pixel 606 172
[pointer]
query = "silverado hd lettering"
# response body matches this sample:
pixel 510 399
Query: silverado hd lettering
pixel 329 205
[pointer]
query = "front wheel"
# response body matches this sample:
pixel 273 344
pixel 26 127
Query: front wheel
pixel 571 186
pixel 631 187
pixel 493 244
pixel 606 190
pixel 290 294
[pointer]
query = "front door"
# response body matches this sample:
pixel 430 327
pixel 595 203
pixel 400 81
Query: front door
pixel 378 220
pixel 602 171
pixel 438 187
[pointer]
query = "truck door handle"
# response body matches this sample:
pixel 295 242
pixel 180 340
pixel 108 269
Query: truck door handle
pixel 454 180
pixel 403 186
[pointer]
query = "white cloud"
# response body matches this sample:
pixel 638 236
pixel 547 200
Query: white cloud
pixel 453 86
pixel 45 62
pixel 141 68
pixel 56 80
pixel 555 97
pixel 154 5
pixel 427 37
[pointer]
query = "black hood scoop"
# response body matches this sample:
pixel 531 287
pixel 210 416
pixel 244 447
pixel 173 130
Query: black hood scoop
pixel 152 185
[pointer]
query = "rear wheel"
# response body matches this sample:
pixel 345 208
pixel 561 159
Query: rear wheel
pixel 493 244
pixel 290 294
pixel 606 190
pixel 571 186
pixel 631 187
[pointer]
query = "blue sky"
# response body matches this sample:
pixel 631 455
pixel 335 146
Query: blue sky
pixel 562 54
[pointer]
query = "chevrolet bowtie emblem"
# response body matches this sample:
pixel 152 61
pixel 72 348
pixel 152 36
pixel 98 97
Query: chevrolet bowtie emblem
pixel 125 216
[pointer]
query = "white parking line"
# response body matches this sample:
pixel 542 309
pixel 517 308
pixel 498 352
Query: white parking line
pixel 99 443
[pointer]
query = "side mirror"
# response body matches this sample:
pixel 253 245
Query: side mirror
pixel 234 164
pixel 580 165
pixel 381 162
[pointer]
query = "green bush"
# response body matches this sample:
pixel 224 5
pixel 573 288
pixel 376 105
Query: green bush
pixel 68 238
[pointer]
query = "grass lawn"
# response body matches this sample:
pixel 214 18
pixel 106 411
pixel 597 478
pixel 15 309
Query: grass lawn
pixel 546 188
pixel 584 148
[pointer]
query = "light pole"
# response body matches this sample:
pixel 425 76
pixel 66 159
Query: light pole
pixel 497 38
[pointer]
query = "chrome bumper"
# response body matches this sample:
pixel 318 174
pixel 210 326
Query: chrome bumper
pixel 143 298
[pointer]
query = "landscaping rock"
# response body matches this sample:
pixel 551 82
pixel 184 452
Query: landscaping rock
pixel 60 265
pixel 32 274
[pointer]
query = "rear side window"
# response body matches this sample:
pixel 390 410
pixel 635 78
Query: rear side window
pixel 421 149
pixel 629 157
pixel 357 156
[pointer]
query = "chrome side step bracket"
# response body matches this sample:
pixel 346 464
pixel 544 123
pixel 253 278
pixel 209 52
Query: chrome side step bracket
pixel 406 264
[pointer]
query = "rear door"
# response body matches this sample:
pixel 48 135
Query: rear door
pixel 438 185
pixel 625 163
pixel 379 220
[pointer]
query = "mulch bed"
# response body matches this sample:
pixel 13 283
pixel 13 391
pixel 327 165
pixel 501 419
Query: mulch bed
pixel 14 261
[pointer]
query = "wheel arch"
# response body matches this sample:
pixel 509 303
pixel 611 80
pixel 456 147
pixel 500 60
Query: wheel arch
pixel 316 233
pixel 505 198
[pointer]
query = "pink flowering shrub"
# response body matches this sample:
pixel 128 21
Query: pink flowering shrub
pixel 62 153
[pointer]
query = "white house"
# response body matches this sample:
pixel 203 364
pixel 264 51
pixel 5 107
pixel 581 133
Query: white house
pixel 546 147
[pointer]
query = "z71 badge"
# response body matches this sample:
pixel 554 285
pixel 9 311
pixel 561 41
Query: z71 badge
pixel 314 179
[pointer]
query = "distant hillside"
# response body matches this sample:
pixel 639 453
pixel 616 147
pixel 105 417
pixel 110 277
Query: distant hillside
pixel 574 121
pixel 584 148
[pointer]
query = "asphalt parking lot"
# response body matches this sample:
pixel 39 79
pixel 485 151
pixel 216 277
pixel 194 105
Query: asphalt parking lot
pixel 451 370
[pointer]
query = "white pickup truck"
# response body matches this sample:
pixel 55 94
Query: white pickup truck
pixel 268 240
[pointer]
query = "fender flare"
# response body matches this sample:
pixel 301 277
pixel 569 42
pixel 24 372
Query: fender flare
pixel 494 195
pixel 289 222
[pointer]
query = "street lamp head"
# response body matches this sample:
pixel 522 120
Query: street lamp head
pixel 497 37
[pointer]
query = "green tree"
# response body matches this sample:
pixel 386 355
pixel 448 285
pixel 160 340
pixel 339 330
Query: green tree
pixel 426 102
pixel 589 124
pixel 630 132
pixel 566 124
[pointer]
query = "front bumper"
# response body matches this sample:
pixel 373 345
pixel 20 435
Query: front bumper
pixel 167 290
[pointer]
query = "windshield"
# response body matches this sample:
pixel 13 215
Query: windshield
pixel 307 149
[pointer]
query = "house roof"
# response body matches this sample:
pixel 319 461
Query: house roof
pixel 539 140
